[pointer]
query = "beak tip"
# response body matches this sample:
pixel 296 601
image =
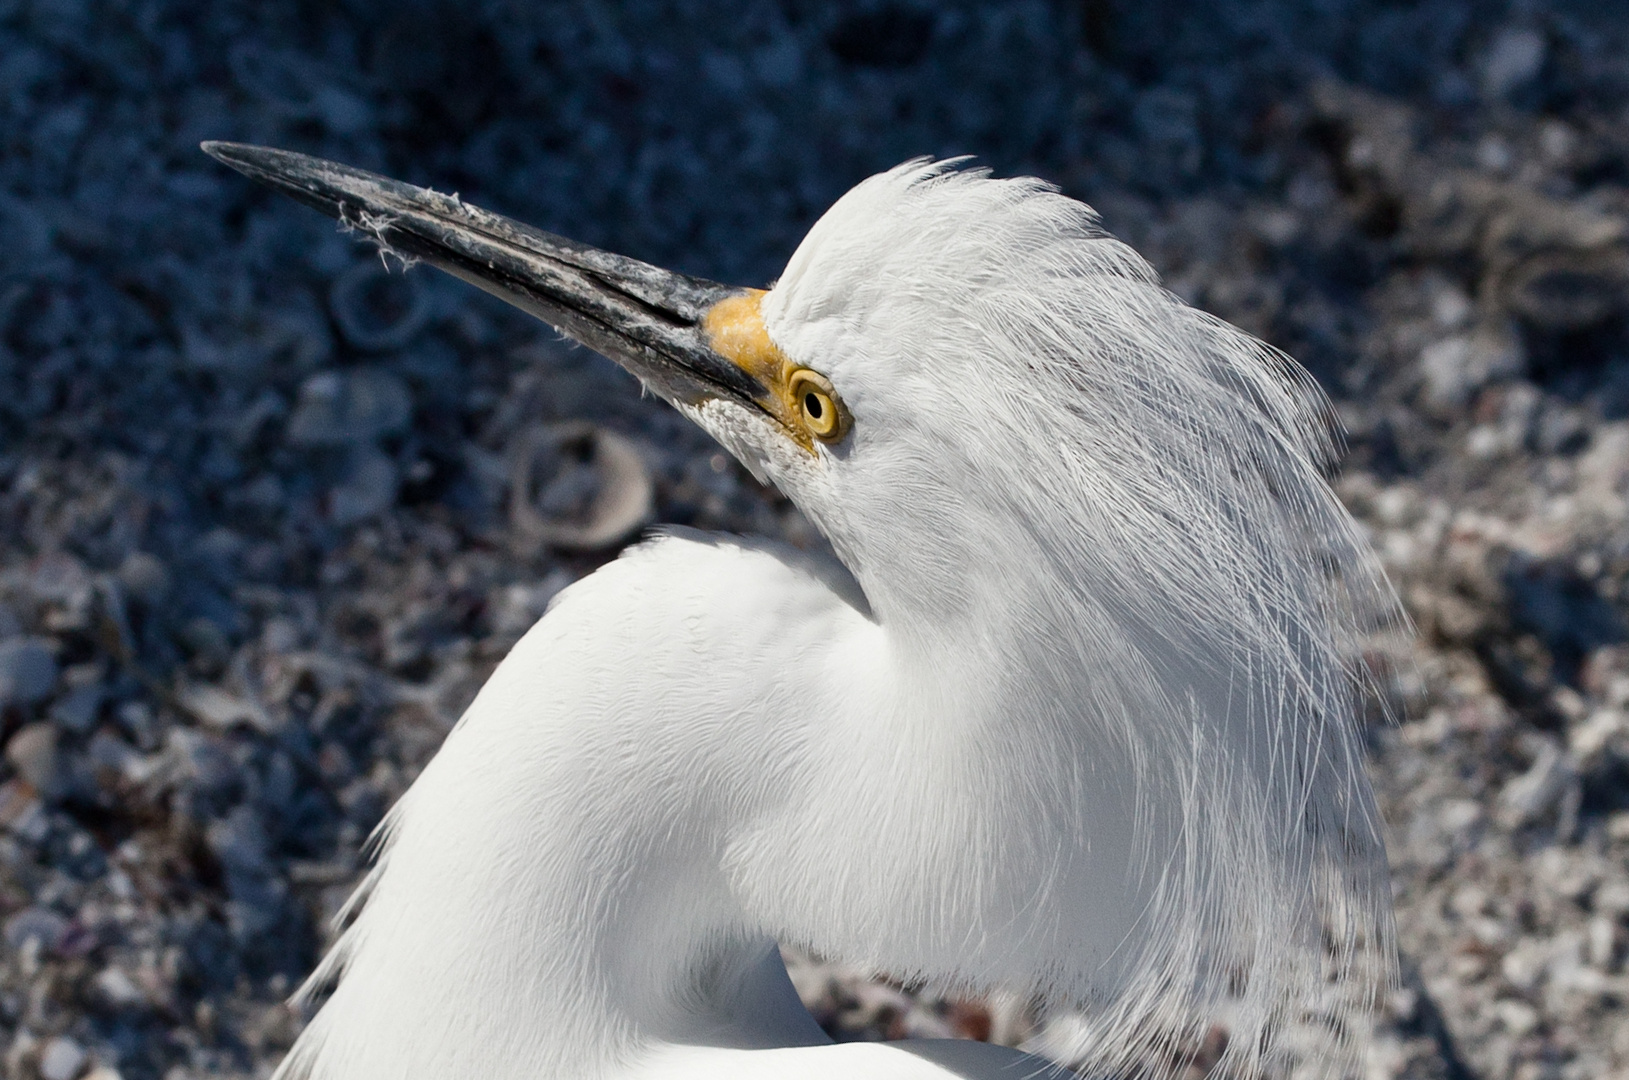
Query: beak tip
pixel 251 161
pixel 223 152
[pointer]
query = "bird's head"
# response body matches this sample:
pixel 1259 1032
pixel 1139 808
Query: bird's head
pixel 950 364
pixel 832 384
pixel 1004 425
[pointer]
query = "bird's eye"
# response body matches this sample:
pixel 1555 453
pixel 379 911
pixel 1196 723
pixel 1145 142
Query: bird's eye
pixel 817 404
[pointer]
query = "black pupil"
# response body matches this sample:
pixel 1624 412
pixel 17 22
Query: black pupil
pixel 811 405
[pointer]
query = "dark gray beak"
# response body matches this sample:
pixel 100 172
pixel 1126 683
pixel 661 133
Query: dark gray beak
pixel 647 319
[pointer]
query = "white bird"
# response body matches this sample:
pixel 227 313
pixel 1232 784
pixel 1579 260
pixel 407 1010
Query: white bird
pixel 1071 713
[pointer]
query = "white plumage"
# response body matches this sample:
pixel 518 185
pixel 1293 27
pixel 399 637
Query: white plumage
pixel 1073 714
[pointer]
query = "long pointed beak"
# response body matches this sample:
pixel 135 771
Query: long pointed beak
pixel 649 320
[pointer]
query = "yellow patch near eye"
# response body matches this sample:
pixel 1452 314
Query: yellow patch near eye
pixel 804 401
pixel 735 330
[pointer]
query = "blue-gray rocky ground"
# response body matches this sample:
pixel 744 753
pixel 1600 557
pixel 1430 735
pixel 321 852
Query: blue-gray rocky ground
pixel 268 515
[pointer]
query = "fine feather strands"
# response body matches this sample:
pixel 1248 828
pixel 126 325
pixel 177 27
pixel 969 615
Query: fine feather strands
pixel 1124 499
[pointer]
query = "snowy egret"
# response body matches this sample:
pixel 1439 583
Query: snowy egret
pixel 1071 713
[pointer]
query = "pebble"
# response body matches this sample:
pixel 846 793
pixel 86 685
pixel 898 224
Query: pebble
pixel 1535 792
pixel 28 671
pixel 118 989
pixel 222 710
pixel 32 751
pixel 368 487
pixel 37 924
pixel 579 486
pixel 1514 57
pixel 377 310
pixel 145 576
pixel 18 800
pixel 62 1059
pixel 355 406
pixel 76 711
pixel 1456 367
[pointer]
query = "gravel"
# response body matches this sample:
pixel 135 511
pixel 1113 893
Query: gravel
pixel 28 671
pixel 271 510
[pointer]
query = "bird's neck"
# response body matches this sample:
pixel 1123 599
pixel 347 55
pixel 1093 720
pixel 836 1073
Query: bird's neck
pixel 525 935
pixel 588 869
pixel 527 923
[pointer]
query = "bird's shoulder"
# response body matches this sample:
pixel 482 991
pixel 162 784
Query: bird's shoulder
pixel 686 578
pixel 675 615
pixel 684 625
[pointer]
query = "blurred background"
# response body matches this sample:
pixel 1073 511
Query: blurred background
pixel 269 514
